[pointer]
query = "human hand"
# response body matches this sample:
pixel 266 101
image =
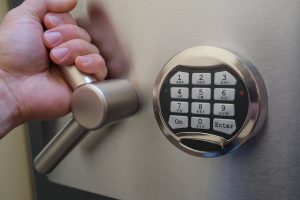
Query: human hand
pixel 30 86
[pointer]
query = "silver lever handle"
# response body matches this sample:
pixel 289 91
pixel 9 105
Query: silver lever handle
pixel 94 105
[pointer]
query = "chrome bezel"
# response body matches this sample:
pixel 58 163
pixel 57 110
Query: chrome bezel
pixel 206 56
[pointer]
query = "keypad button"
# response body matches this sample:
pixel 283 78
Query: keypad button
pixel 224 78
pixel 224 94
pixel 201 93
pixel 180 78
pixel 200 123
pixel 179 93
pixel 201 78
pixel 227 126
pixel 177 122
pixel 222 109
pixel 201 108
pixel 179 107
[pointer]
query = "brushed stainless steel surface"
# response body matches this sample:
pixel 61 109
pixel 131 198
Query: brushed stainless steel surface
pixel 60 145
pixel 76 78
pixel 135 160
pixel 104 103
pixel 207 56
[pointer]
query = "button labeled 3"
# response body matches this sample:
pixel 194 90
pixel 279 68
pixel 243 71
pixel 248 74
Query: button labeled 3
pixel 224 78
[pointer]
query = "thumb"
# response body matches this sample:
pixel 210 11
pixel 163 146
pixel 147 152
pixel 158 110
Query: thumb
pixel 39 8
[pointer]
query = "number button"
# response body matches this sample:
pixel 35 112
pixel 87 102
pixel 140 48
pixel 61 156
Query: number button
pixel 177 122
pixel 224 78
pixel 225 94
pixel 201 93
pixel 201 78
pixel 179 93
pixel 200 123
pixel 179 107
pixel 201 108
pixel 180 78
pixel 224 109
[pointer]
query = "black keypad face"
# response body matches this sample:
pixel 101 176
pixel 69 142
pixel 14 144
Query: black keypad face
pixel 210 100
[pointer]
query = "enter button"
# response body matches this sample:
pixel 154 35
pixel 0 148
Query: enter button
pixel 227 126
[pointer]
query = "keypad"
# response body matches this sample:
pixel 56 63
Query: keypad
pixel 208 100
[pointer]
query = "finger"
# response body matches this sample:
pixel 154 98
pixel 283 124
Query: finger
pixel 52 20
pixel 59 6
pixel 105 38
pixel 63 33
pixel 92 64
pixel 66 53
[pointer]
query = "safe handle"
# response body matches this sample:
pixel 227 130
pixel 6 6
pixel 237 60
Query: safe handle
pixel 94 105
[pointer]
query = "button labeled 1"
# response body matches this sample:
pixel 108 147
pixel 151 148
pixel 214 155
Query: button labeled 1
pixel 180 78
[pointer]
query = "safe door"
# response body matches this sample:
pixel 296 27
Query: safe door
pixel 139 158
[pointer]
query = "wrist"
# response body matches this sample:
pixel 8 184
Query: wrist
pixel 10 109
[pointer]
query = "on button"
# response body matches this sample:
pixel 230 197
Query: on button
pixel 177 122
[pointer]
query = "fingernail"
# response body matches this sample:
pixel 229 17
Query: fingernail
pixel 85 60
pixel 60 53
pixel 54 20
pixel 52 37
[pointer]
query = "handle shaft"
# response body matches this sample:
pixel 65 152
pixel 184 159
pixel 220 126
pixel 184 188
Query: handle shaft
pixel 76 78
pixel 59 146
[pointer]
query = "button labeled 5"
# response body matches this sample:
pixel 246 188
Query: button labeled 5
pixel 201 93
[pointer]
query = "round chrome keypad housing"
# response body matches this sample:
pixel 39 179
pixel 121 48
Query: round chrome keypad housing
pixel 208 101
